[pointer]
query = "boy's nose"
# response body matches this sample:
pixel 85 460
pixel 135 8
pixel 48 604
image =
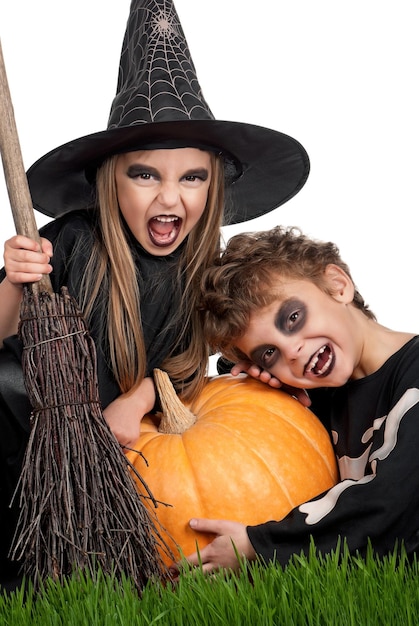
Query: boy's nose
pixel 292 349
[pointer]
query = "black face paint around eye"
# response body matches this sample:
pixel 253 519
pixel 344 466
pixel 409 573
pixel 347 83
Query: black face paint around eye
pixel 291 316
pixel 135 170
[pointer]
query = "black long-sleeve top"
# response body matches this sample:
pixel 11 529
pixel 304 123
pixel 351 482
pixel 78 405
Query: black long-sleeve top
pixel 72 237
pixel 374 423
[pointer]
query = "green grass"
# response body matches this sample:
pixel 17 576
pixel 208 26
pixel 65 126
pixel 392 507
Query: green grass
pixel 340 591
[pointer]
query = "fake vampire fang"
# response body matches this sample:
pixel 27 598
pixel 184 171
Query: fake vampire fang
pixel 321 363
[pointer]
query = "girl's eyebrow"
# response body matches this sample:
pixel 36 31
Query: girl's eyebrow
pixel 201 172
pixel 134 168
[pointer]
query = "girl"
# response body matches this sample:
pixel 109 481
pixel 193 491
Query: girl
pixel 139 208
pixel 163 208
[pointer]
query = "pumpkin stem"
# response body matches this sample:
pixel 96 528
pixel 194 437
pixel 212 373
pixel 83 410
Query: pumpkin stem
pixel 175 417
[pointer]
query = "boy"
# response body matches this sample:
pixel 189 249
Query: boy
pixel 286 308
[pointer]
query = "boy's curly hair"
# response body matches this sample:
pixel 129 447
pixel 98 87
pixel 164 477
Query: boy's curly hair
pixel 245 277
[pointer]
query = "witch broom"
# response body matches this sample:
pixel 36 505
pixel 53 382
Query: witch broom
pixel 79 505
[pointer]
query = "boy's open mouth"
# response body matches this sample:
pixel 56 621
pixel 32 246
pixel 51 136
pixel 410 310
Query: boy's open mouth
pixel 163 230
pixel 321 363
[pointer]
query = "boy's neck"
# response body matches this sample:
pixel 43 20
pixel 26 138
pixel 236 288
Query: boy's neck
pixel 379 345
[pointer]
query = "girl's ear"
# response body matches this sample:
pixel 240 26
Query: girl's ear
pixel 339 284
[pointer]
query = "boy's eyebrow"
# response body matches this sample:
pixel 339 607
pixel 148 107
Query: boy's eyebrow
pixel 255 353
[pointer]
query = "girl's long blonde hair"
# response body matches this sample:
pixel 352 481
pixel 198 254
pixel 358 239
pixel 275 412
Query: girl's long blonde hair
pixel 111 270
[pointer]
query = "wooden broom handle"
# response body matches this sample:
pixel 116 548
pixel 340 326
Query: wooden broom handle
pixel 14 171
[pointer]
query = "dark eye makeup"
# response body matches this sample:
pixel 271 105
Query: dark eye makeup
pixel 136 170
pixel 291 316
pixel 262 356
pixel 201 173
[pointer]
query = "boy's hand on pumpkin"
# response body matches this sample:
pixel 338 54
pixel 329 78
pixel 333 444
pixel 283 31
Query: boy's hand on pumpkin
pixel 230 542
pixel 253 370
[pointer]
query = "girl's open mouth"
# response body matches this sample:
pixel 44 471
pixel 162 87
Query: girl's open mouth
pixel 322 362
pixel 163 230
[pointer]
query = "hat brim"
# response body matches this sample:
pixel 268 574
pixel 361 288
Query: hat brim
pixel 274 165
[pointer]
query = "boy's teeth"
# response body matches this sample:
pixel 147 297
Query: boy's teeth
pixel 326 365
pixel 314 361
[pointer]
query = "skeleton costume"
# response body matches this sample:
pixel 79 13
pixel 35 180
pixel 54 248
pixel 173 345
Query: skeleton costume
pixel 158 104
pixel 374 423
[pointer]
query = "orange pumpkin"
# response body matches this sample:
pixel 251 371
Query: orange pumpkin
pixel 252 455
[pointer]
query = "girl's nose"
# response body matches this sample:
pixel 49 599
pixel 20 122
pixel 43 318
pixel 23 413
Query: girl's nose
pixel 168 194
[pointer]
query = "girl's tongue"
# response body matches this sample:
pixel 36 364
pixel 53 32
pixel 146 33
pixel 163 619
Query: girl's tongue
pixel 163 230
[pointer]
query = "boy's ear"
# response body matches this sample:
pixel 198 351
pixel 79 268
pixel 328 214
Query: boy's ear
pixel 340 286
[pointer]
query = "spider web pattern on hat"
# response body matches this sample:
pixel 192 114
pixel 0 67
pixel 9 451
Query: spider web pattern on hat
pixel 156 74
pixel 159 104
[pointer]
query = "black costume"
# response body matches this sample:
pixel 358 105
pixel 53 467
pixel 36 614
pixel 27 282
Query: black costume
pixel 72 237
pixel 374 423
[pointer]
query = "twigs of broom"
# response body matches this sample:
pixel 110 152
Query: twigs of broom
pixel 79 504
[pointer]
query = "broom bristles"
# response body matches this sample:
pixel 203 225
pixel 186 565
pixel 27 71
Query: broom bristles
pixel 79 504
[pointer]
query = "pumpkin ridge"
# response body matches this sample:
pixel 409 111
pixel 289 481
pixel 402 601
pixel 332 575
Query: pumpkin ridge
pixel 266 465
pixel 296 433
pixel 236 437
pixel 314 443
pixel 188 470
pixel 226 389
pixel 198 478
pixel 192 473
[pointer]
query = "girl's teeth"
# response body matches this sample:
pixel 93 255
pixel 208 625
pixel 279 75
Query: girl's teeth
pixel 162 218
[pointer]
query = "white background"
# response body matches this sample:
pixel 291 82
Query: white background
pixel 340 76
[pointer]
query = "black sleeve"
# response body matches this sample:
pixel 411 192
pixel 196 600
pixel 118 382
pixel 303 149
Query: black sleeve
pixel 224 365
pixel 72 237
pixel 381 505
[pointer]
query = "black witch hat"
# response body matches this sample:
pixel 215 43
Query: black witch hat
pixel 159 103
